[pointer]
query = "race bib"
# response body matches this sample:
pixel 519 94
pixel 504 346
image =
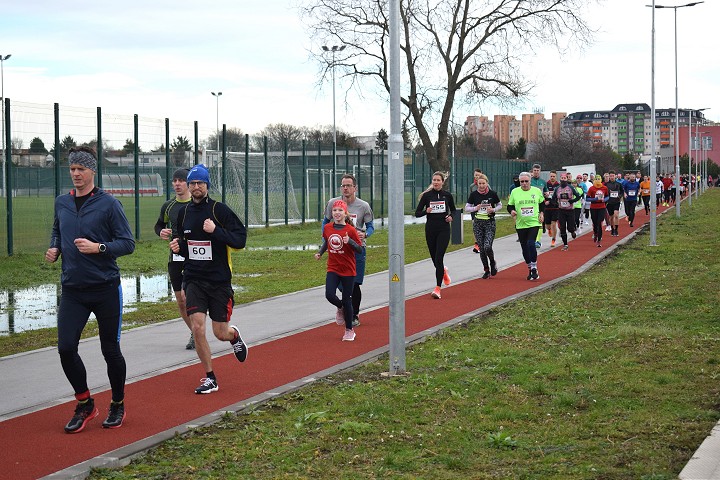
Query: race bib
pixel 646 192
pixel 631 193
pixel 177 258
pixel 564 204
pixel 438 207
pixel 200 250
pixel 613 194
pixel 527 211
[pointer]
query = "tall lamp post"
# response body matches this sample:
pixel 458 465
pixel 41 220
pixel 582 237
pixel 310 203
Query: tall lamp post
pixel 2 130
pixel 217 116
pixel 653 158
pixel 333 49
pixel 703 166
pixel 677 111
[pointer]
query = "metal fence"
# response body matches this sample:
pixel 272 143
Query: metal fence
pixel 264 187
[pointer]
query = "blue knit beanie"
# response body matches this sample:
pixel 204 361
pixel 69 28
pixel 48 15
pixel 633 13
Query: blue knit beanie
pixel 199 173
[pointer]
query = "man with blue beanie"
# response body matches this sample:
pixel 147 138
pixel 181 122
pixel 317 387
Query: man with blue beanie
pixel 207 230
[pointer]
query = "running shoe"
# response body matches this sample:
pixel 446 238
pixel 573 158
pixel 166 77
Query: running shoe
pixel 191 343
pixel 486 275
pixel 116 415
pixel 608 228
pixel 573 234
pixel 84 412
pixel 493 269
pixel 534 275
pixel 529 274
pixel 476 249
pixel 594 238
pixel 356 321
pixel 631 224
pixel 349 336
pixel 239 347
pixel 565 247
pixel 552 242
pixel 207 385
pixel 599 245
pixel 340 317
pixel 446 277
pixel 538 244
pixel 436 293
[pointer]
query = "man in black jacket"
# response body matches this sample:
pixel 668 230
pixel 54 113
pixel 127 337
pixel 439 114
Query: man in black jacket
pixel 207 231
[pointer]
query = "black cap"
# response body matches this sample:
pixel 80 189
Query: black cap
pixel 181 174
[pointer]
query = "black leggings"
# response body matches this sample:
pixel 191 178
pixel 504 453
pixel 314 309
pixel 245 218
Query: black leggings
pixel 598 215
pixel 646 203
pixel 566 222
pixel 437 241
pixel 332 282
pixel 76 304
pixel 527 236
pixel 484 231
pixel 630 206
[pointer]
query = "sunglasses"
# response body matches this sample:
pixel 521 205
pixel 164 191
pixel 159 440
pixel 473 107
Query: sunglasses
pixel 524 181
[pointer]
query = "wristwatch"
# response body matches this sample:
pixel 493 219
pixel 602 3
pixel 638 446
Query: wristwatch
pixel 102 248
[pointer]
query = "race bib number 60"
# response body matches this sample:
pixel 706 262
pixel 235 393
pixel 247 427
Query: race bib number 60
pixel 200 250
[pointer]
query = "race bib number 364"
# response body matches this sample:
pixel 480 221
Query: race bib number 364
pixel 200 250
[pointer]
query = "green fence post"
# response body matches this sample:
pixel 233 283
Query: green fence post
pixel 8 177
pixel 167 159
pixel 266 182
pixel 286 173
pixel 304 181
pixel 195 127
pixel 56 114
pixel 247 180
pixel 100 153
pixel 136 162
pixel 319 178
pixel 224 164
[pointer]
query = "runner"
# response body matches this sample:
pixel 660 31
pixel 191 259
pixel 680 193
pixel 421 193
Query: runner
pixel 526 205
pixel 166 228
pixel 659 188
pixel 362 217
pixel 207 231
pixel 551 208
pixel 90 231
pixel 631 187
pixel 645 191
pixel 342 242
pixel 482 205
pixel 565 196
pixel 598 194
pixel 579 186
pixel 439 206
pixel 538 182
pixel 613 204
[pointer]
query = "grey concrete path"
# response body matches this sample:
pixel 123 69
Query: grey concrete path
pixel 34 380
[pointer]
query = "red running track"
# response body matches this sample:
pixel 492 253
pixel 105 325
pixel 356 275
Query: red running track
pixel 35 445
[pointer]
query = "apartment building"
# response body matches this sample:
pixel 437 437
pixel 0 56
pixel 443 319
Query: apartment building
pixel 628 127
pixel 507 129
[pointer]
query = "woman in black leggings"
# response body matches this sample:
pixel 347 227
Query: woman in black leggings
pixel 439 206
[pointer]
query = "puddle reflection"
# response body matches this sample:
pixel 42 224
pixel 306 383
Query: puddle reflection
pixel 36 307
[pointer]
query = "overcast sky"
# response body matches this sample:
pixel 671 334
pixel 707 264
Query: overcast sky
pixel 162 58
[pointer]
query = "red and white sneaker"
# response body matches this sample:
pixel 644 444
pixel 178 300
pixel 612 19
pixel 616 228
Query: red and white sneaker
pixel 349 336
pixel 446 277
pixel 436 293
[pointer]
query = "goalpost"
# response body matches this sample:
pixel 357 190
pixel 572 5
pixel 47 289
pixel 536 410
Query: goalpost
pixel 266 199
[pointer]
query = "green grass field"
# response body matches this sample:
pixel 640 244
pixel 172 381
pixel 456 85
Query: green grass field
pixel 611 375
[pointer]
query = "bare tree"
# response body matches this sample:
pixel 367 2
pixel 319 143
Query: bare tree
pixel 572 147
pixel 452 50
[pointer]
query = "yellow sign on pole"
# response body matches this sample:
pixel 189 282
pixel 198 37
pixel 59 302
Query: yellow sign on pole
pixel 395 278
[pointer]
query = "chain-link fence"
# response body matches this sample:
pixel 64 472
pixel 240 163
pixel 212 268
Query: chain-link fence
pixel 264 187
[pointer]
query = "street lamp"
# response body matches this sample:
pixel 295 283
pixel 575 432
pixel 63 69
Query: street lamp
pixel 333 49
pixel 653 158
pixel 2 122
pixel 677 114
pixel 217 116
pixel 703 167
